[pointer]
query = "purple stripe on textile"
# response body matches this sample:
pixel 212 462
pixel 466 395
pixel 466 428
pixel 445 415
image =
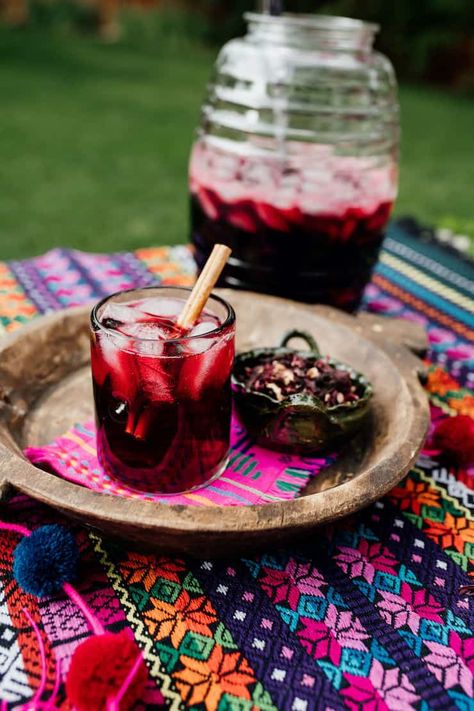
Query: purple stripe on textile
pixel 384 519
pixel 424 682
pixel 280 662
pixel 34 286
pixel 99 287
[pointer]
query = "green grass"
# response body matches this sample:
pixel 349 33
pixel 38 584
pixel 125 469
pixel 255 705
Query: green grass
pixel 94 143
pixel 437 166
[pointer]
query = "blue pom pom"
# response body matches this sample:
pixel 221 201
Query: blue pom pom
pixel 44 561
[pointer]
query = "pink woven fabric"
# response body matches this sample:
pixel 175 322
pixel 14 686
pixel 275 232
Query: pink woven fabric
pixel 254 475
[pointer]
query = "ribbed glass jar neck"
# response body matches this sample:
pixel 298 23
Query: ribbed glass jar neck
pixel 312 32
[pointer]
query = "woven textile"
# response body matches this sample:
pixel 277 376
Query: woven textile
pixel 366 615
pixel 254 475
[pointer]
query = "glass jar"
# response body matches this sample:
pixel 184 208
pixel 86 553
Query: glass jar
pixel 295 161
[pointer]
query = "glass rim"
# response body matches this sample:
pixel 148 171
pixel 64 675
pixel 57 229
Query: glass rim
pixel 227 323
pixel 313 21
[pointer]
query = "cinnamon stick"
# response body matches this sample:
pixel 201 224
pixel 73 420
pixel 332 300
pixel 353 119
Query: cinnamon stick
pixel 203 287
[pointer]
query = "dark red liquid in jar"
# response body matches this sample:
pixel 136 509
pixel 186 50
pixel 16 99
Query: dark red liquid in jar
pixel 292 248
pixel 163 406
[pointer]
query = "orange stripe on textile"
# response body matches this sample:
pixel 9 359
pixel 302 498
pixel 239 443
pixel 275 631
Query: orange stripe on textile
pixel 423 307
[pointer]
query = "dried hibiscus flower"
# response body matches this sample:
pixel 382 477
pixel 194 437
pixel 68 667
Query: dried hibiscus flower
pixel 299 401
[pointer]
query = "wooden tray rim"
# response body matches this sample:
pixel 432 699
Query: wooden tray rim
pixel 300 514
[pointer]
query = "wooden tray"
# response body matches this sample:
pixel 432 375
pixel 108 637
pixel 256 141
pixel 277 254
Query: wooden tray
pixel 45 389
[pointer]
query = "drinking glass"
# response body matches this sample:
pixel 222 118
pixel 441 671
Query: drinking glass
pixel 162 398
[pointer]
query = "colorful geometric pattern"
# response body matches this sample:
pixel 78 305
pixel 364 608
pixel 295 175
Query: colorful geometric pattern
pixel 253 475
pixel 365 614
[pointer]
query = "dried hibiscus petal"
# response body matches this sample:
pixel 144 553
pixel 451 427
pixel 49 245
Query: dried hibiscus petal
pixel 285 375
pixel 299 401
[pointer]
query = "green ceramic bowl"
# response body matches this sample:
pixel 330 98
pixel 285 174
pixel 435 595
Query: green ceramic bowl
pixel 300 423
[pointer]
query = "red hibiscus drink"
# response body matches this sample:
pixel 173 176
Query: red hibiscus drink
pixel 162 398
pixel 311 232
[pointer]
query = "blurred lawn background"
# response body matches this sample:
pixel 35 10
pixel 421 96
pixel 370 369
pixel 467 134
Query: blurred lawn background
pixel 95 138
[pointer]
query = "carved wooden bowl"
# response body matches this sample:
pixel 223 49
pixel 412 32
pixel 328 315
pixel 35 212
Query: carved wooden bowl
pixel 45 388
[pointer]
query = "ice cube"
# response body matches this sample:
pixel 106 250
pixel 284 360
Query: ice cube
pixel 205 370
pixel 158 306
pixel 110 360
pixel 110 350
pixel 200 345
pixel 271 217
pixel 258 174
pixel 209 202
pixel 242 219
pixel 146 330
pixel 202 328
pixel 225 166
pixel 120 313
pixel 154 380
